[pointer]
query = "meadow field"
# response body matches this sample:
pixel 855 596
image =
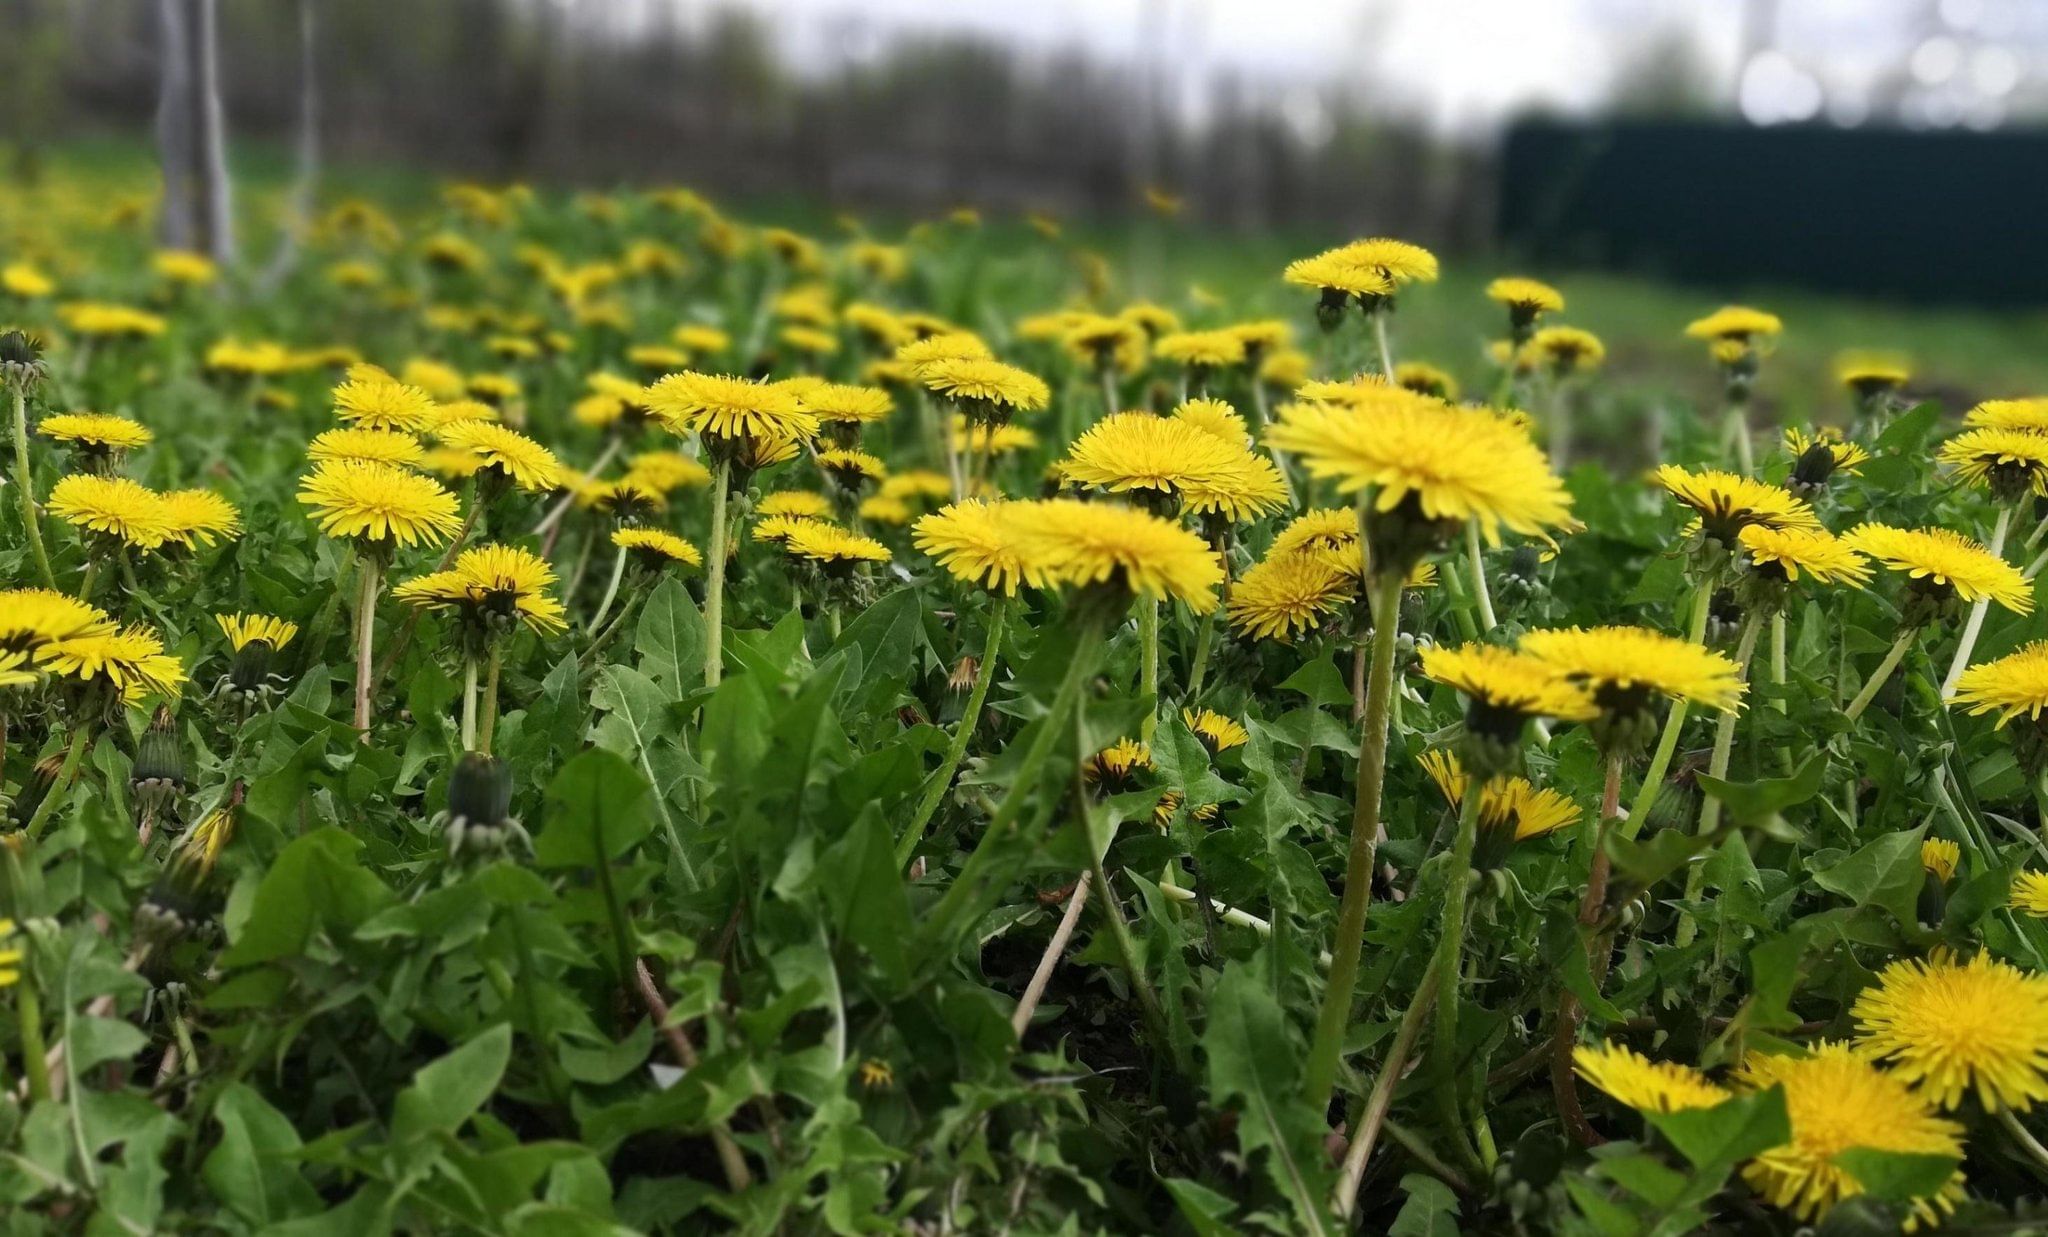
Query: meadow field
pixel 546 712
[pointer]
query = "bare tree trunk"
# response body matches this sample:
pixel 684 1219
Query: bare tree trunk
pixel 216 194
pixel 298 212
pixel 176 227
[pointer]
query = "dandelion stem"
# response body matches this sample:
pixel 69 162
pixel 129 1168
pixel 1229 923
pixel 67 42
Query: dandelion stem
pixel 611 592
pixel 489 726
pixel 1882 673
pixel 1382 1098
pixel 1148 670
pixel 2024 1137
pixel 25 480
pixel 1674 721
pixel 1564 1036
pixel 366 634
pixel 1448 970
pixel 1379 335
pixel 35 1052
pixel 1975 623
pixel 1717 767
pixel 561 508
pixel 1335 1015
pixel 81 739
pixel 963 732
pixel 1473 553
pixel 85 583
pixel 1205 639
pixel 1778 656
pixel 2034 538
pixel 714 583
pixel 1020 1018
pixel 469 704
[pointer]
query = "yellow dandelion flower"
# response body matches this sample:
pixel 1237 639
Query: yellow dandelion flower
pixel 243 630
pixel 832 546
pixel 703 340
pixel 1622 665
pixel 852 468
pixel 1642 1084
pixel 1217 418
pixel 884 510
pixel 1510 808
pixel 976 542
pixel 1783 553
pixel 666 471
pixel 1285 368
pixel 1838 1099
pixel 1953 1028
pixel 1826 446
pixel 201 847
pixel 196 517
pixel 1939 857
pixel 1427 379
pixel 655 548
pixel 1107 342
pixel 1262 336
pixel 1504 687
pixel 723 407
pixel 15 672
pixel 26 281
pixel 778 529
pixel 488 585
pixel 1319 528
pixel 2014 684
pixel 442 381
pixel 1727 502
pixel 1217 732
pixel 1251 487
pixel 2008 462
pixel 184 267
pixel 1116 764
pixel 114 507
pixel 1290 592
pixel 1400 261
pixel 95 433
pixel 991 439
pixel 33 617
pixel 944 346
pixel 379 504
pixel 131 659
pixel 1735 322
pixel 845 404
pixel 1565 349
pixel 1946 560
pixel 803 503
pixel 1337 275
pixel 1868 373
pixel 383 405
pixel 1069 542
pixel 917 484
pixel 1452 463
pixel 1201 349
pixel 2029 894
pixel 375 446
pixel 1139 451
pixel 809 340
pixel 1526 299
pixel 657 358
pixel 519 459
pixel 979 382
pixel 99 320
pixel 10 955
pixel 2012 414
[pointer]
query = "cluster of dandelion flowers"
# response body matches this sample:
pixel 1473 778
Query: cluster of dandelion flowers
pixel 1217 733
pixel 494 588
pixel 1437 465
pixel 370 404
pixel 976 542
pixel 505 456
pixel 1504 690
pixel 1526 300
pixel 987 391
pixel 113 507
pixel 1838 1099
pixel 1627 669
pixel 1637 1082
pixel 2010 463
pixel 656 550
pixel 1727 502
pixel 379 506
pixel 1098 546
pixel 1942 566
pixel 97 440
pixel 1957 1028
pixel 131 660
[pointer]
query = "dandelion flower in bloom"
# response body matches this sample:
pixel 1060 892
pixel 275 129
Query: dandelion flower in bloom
pixel 196 517
pixel 794 502
pixel 1727 502
pixel 1216 418
pixel 1623 666
pixel 507 453
pixel 666 471
pixel 2010 463
pixel 1642 1084
pixel 882 510
pixel 97 438
pixel 1454 464
pixel 843 405
pixel 1069 542
pixel 1784 553
pixel 1819 456
pixel 1139 451
pixel 2029 894
pixel 657 549
pixel 99 320
pixel 1504 688
pixel 1289 593
pixel 1735 322
pixel 976 542
pixel 1201 350
pixel 778 529
pixel 920 354
pixel 2014 684
pixel 721 407
pixel 1115 765
pixel 376 446
pixel 1217 732
pixel 1565 349
pixel 1337 276
pixel 33 617
pixel 1945 562
pixel 1426 379
pixel 243 630
pixel 14 670
pixel 1872 373
pixel 1400 261
pixel 1511 809
pixel 2011 414
pixel 379 504
pixel 386 405
pixel 114 507
pixel 1838 1099
pixel 1939 856
pixel 1953 1028
pixel 1526 299
pixel 916 485
pixel 492 587
pixel 832 547
pixel 1319 528
pixel 131 659
pixel 851 470
pixel 988 391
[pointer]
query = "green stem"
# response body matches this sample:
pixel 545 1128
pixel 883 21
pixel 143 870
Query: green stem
pixel 1884 670
pixel 85 583
pixel 1975 624
pixel 81 738
pixel 714 584
pixel 489 725
pixel 1148 674
pixel 25 480
pixel 1487 621
pixel 611 592
pixel 366 635
pixel 1448 967
pixel 35 1050
pixel 1382 1098
pixel 1717 767
pixel 1328 1044
pixel 1778 656
pixel 1205 638
pixel 1379 334
pixel 1674 721
pixel 963 733
pixel 2024 1137
pixel 469 704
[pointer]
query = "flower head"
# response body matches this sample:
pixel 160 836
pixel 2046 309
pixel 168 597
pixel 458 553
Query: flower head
pixel 1213 416
pixel 1115 765
pixel 1623 666
pixel 1954 1028
pixel 2013 414
pixel 1728 502
pixel 113 507
pixel 976 542
pixel 196 517
pixel 1643 1084
pixel 1786 552
pixel 1426 379
pixel 1164 455
pixel 1565 349
pixel 1201 349
pixel 1735 322
pixel 243 630
pixel 832 546
pixel 1939 856
pixel 1064 541
pixel 2010 463
pixel 1291 592
pixel 2029 894
pixel 1837 1100
pixel 1819 456
pixel 2014 684
pixel 1511 809
pixel 33 617
pixel 1526 299
pixel 519 459
pixel 722 407
pixel 1947 562
pixel 379 504
pixel 492 587
pixel 387 405
pixel 1504 689
pixel 986 389
pixel 131 659
pixel 1869 373
pixel 655 548
pixel 1217 732
pixel 95 435
pixel 375 446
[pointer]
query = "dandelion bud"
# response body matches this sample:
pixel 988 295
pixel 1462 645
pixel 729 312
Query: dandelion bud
pixel 1811 471
pixel 479 816
pixel 21 360
pixel 158 777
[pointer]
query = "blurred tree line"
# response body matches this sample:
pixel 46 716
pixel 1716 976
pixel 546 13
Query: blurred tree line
pixel 565 91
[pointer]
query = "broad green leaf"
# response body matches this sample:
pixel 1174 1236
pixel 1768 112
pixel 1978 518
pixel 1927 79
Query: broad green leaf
pixel 1756 802
pixel 597 809
pixel 1897 1176
pixel 1252 1071
pixel 1884 873
pixel 1736 1129
pixel 448 1091
pixel 669 637
pixel 1430 1211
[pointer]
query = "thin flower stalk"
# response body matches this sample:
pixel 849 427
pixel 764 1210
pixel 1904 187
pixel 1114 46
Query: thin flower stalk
pixel 963 732
pixel 24 480
pixel 1975 623
pixel 1883 673
pixel 1674 721
pixel 714 580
